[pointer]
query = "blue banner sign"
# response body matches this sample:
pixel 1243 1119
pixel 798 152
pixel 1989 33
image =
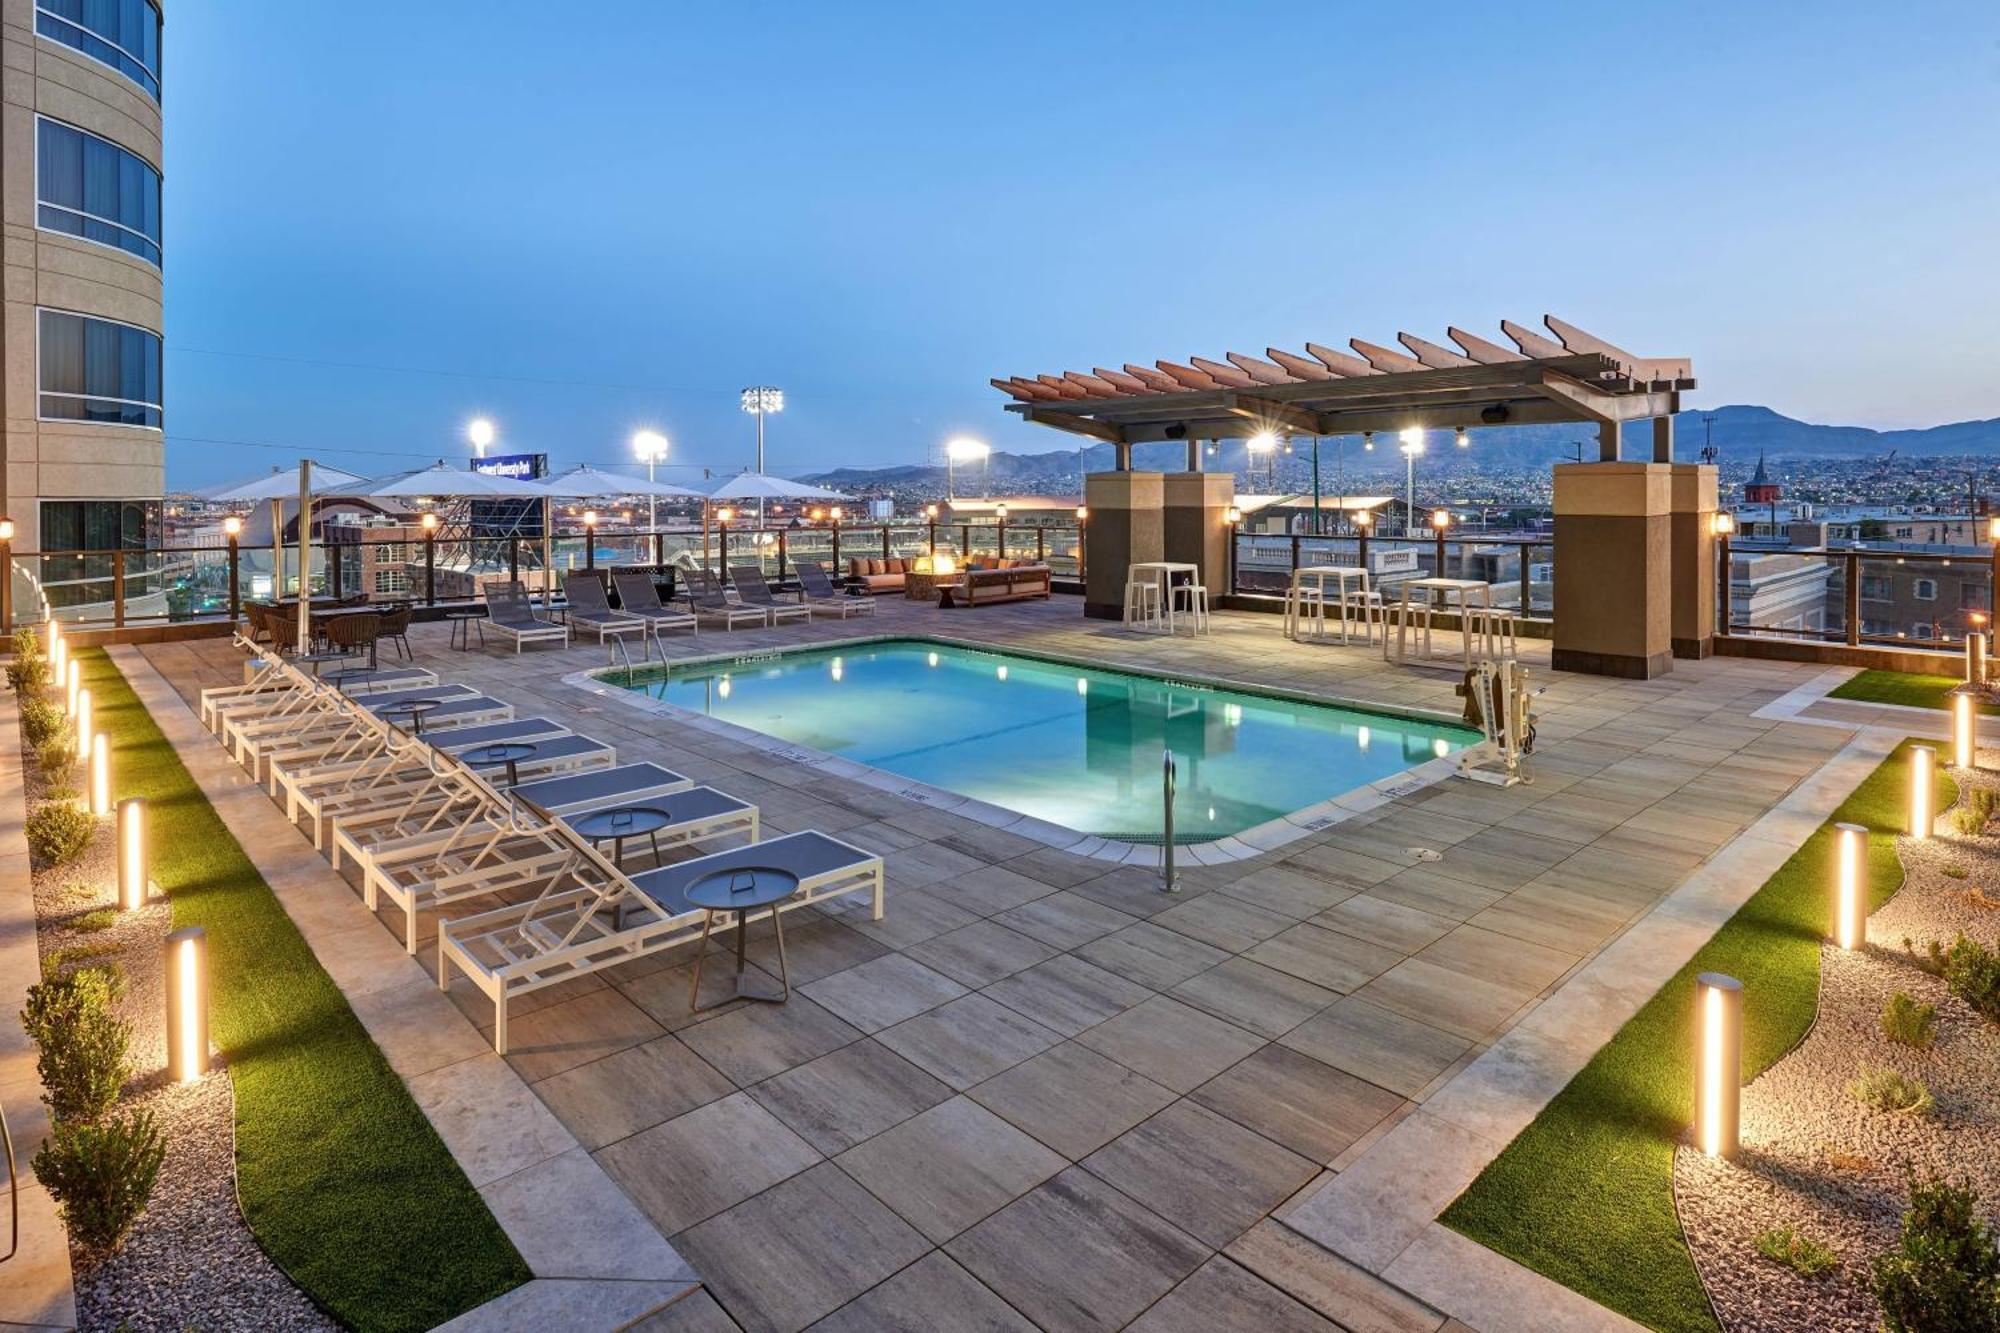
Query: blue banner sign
pixel 520 467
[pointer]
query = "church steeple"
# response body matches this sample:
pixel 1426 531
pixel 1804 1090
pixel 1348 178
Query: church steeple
pixel 1761 490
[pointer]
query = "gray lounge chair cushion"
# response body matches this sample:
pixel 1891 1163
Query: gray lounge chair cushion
pixel 465 706
pixel 807 855
pixel 604 784
pixel 496 733
pixel 375 703
pixel 377 678
pixel 552 748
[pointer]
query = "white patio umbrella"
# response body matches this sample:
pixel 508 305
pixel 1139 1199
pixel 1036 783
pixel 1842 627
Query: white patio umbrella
pixel 440 481
pixel 589 483
pixel 279 485
pixel 764 486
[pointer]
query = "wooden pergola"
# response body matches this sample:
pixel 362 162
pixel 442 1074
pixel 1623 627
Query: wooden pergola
pixel 1570 377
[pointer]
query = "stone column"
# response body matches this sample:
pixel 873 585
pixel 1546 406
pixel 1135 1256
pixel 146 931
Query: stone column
pixel 1692 528
pixel 1196 526
pixel 1126 525
pixel 1613 593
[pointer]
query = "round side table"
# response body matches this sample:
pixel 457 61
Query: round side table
pixel 742 891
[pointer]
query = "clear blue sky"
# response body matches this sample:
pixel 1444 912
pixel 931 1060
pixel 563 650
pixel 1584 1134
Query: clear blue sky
pixel 878 206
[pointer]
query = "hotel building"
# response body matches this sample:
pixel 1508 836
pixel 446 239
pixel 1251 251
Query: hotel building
pixel 80 334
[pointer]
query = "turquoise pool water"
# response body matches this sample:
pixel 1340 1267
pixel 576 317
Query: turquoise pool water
pixel 1077 747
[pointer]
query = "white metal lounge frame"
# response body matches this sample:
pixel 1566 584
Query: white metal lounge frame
pixel 586 616
pixel 571 928
pixel 833 601
pixel 511 614
pixel 710 604
pixel 656 615
pixel 745 577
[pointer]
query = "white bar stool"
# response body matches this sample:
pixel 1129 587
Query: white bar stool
pixel 1496 631
pixel 1196 597
pixel 1142 603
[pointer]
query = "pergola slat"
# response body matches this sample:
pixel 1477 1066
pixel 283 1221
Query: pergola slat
pixel 1092 385
pixel 1532 344
pixel 1482 351
pixel 1062 387
pixel 1432 355
pixel 1154 378
pixel 1299 366
pixel 1222 374
pixel 1383 359
pixel 1340 363
pixel 1131 384
pixel 1261 371
pixel 1190 377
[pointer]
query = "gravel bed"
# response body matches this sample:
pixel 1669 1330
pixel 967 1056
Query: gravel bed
pixel 190 1260
pixel 1817 1160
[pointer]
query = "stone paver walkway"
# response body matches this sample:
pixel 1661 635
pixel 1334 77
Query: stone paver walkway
pixel 1041 1093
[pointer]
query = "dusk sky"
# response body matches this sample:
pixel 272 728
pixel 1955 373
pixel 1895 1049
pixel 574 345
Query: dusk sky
pixel 382 219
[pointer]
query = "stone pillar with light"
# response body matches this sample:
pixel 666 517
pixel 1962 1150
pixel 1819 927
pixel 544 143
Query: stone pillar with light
pixel 1194 528
pixel 1692 511
pixel 1127 525
pixel 6 576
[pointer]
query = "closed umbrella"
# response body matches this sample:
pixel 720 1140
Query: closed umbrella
pixel 277 486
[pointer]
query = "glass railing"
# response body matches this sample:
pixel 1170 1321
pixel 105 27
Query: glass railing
pixel 1520 570
pixel 156 585
pixel 1909 598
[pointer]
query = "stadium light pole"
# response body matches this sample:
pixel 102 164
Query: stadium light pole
pixel 651 447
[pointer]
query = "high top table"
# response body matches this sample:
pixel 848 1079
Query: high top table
pixel 1164 571
pixel 1316 577
pixel 1459 592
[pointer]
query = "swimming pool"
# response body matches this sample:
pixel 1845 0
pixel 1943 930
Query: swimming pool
pixel 1076 746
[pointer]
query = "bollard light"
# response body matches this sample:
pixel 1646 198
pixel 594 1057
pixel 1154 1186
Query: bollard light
pixel 100 774
pixel 187 1004
pixel 1848 908
pixel 73 684
pixel 58 656
pixel 1961 730
pixel 1975 650
pixel 132 881
pixel 1718 1064
pixel 1923 813
pixel 82 715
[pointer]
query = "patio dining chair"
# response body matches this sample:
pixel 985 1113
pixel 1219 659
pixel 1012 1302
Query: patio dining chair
pixel 753 591
pixel 350 634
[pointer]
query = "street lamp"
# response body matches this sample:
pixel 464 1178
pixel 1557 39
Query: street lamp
pixel 651 447
pixel 963 450
pixel 1412 445
pixel 760 401
pixel 480 431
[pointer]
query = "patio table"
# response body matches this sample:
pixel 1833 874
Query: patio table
pixel 1164 571
pixel 1463 590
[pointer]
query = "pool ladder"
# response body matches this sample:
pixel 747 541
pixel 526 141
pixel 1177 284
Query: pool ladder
pixel 1169 880
pixel 650 640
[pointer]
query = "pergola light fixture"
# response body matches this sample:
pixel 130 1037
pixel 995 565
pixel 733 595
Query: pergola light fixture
pixel 1848 926
pixel 1718 1065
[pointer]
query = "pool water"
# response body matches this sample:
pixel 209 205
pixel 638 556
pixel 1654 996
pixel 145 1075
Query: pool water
pixel 1075 746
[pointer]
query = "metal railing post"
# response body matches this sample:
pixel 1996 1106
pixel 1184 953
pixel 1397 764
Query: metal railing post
pixel 1000 539
pixel 1041 545
pixel 659 550
pixel 333 569
pixel 1527 581
pixel 885 541
pixel 430 567
pixel 1295 553
pixel 1853 599
pixel 1722 585
pixel 235 580
pixel 781 555
pixel 118 588
pixel 722 538
pixel 1169 881
pixel 836 550
pixel 514 559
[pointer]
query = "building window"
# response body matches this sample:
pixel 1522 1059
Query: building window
pixel 1876 588
pixel 1924 590
pixel 100 527
pixel 124 34
pixel 1921 630
pixel 387 552
pixel 98 370
pixel 1975 597
pixel 391 581
pixel 90 187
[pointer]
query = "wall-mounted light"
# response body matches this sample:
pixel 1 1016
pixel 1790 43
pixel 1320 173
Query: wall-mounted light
pixel 81 714
pixel 1718 1064
pixel 100 774
pixel 187 1004
pixel 1848 905
pixel 1232 515
pixel 1082 513
pixel 1923 804
pixel 1963 752
pixel 132 868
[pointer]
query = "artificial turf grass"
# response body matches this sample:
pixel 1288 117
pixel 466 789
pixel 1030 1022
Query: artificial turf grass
pixel 1584 1194
pixel 341 1177
pixel 1908 688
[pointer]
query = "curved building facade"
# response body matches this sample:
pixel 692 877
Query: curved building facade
pixel 81 254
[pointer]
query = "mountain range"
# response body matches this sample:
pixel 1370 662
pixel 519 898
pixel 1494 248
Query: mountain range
pixel 1739 433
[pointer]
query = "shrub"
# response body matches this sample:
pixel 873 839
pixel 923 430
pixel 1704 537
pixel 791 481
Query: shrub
pixel 83 1044
pixel 39 721
pixel 1954 872
pixel 1967 820
pixel 57 832
pixel 1908 1021
pixel 1887 1090
pixel 57 754
pixel 101 1174
pixel 61 960
pixel 28 674
pixel 1944 1274
pixel 1972 971
pixel 102 918
pixel 1797 1251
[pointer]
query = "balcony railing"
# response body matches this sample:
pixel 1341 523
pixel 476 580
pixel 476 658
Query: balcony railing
pixel 1521 569
pixel 161 585
pixel 1884 598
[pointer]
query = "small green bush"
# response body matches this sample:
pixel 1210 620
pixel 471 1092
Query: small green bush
pixel 69 955
pixel 57 754
pixel 39 721
pixel 1972 971
pixel 1887 1090
pixel 83 1043
pixel 28 675
pixel 1967 820
pixel 57 832
pixel 1797 1251
pixel 1944 1274
pixel 1954 872
pixel 1908 1021
pixel 101 1174
pixel 102 918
